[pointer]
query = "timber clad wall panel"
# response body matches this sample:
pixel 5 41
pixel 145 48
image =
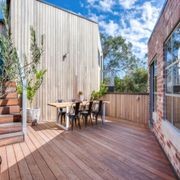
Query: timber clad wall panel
pixel 131 107
pixel 64 33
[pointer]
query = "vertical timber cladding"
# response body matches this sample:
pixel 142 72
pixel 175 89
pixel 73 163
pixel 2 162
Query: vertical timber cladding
pixel 64 34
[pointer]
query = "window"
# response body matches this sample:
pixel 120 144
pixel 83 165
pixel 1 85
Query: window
pixel 172 57
pixel 154 86
pixel 153 90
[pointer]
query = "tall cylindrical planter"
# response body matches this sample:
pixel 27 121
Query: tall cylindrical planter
pixel 33 115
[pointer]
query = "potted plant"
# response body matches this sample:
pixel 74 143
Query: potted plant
pixel 81 96
pixel 96 95
pixel 34 77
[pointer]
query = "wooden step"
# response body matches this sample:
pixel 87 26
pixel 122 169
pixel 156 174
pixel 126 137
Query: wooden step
pixel 9 109
pixel 10 84
pixel 10 128
pixel 12 95
pixel 9 102
pixel 12 138
pixel 9 118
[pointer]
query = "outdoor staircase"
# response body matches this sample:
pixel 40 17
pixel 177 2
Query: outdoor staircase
pixel 10 117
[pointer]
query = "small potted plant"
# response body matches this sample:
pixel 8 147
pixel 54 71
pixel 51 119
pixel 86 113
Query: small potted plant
pixel 81 96
pixel 96 95
pixel 32 87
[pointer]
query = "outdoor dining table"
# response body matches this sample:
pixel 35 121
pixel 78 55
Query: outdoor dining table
pixel 67 106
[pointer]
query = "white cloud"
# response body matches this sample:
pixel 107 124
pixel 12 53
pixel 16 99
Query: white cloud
pixel 96 18
pixel 106 5
pixel 127 4
pixel 135 23
pixel 102 5
pixel 111 28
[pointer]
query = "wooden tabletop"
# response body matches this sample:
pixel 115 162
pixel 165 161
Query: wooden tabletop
pixel 70 103
pixel 65 104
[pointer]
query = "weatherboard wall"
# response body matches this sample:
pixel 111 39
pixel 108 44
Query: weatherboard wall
pixel 64 33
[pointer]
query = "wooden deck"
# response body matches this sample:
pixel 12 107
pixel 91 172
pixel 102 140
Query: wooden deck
pixel 114 151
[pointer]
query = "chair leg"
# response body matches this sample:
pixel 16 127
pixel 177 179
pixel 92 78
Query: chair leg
pixel 96 119
pixel 86 118
pixel 75 122
pixel 79 123
pixel 64 116
pixel 72 124
pixel 58 116
pixel 61 119
pixel 91 120
pixel 83 120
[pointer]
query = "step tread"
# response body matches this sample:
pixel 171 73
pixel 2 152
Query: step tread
pixel 10 115
pixel 12 124
pixel 9 109
pixel 8 128
pixel 9 102
pixel 8 118
pixel 10 84
pixel 12 95
pixel 16 137
pixel 10 135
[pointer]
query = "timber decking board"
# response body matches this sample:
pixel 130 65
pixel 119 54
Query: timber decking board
pixel 113 151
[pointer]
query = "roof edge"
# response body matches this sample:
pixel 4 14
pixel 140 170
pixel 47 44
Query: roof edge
pixel 68 11
pixel 162 11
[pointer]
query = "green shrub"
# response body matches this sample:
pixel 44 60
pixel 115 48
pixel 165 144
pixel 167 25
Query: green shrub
pixel 95 95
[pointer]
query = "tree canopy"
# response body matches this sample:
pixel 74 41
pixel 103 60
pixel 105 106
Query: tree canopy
pixel 118 54
pixel 121 66
pixel 137 81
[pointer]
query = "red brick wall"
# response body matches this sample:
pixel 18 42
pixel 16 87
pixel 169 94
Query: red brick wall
pixel 166 134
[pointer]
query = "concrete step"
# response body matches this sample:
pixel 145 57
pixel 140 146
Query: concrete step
pixel 9 102
pixel 7 128
pixel 9 109
pixel 12 138
pixel 9 118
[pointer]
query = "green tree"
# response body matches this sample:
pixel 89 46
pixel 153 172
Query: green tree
pixel 135 82
pixel 118 54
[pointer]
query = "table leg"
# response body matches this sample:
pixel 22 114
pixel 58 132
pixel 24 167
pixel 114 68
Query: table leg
pixel 104 113
pixel 57 119
pixel 67 118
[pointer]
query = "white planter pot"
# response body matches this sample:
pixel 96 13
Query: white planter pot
pixel 33 115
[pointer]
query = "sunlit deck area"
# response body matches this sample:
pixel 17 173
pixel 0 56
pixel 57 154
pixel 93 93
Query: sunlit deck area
pixel 116 150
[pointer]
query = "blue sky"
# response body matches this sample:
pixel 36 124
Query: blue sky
pixel 132 19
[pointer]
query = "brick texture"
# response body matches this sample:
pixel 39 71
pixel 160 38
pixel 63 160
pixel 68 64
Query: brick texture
pixel 168 20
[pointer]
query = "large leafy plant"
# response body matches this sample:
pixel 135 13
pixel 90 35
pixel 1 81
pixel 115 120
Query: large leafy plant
pixel 34 75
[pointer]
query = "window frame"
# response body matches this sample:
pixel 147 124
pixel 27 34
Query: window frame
pixel 168 67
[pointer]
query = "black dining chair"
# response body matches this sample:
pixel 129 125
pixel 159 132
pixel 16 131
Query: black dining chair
pixel 98 112
pixel 87 113
pixel 74 114
pixel 61 112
